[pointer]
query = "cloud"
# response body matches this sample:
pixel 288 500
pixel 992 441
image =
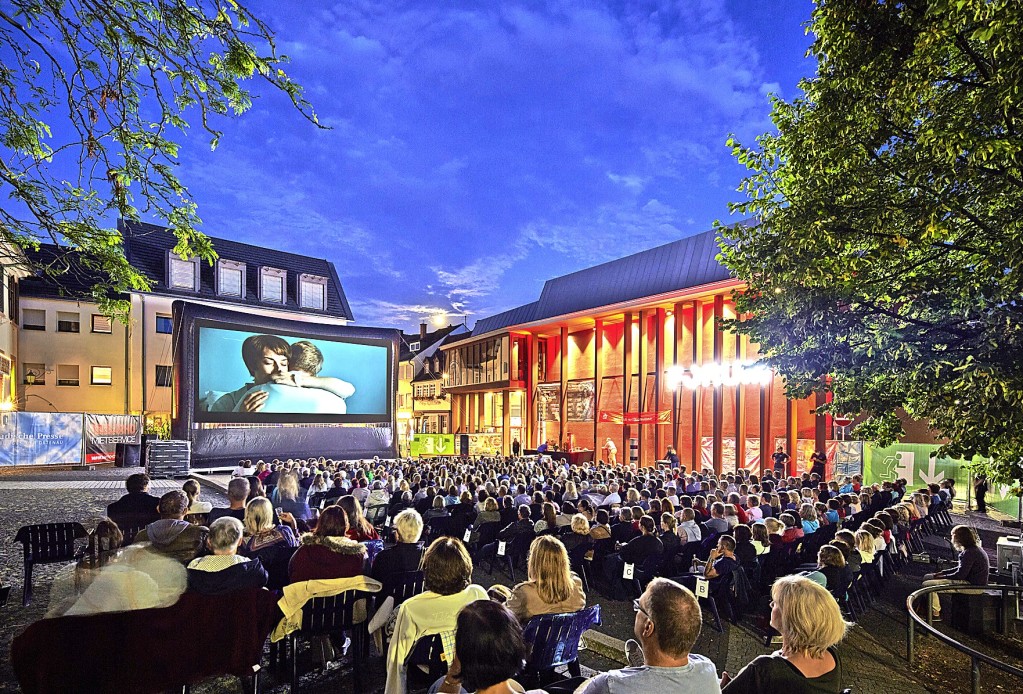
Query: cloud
pixel 382 312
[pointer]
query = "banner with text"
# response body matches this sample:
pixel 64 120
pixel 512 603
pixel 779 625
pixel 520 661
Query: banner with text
pixel 609 417
pixel 433 444
pixel 40 438
pixel 104 431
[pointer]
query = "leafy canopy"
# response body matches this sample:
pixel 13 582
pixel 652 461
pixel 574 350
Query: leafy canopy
pixel 92 95
pixel 886 260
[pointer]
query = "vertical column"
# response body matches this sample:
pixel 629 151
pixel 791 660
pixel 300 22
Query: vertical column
pixel 598 378
pixel 740 406
pixel 679 324
pixel 658 380
pixel 642 371
pixel 506 422
pixel 626 381
pixel 454 419
pixel 792 432
pixel 718 399
pixel 529 416
pixel 697 396
pixel 820 425
pixel 766 447
pixel 481 412
pixel 563 436
pixel 470 413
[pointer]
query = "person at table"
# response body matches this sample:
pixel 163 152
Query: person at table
pixel 672 457
pixel 542 448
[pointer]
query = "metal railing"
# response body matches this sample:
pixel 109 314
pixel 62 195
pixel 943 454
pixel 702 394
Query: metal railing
pixel 976 657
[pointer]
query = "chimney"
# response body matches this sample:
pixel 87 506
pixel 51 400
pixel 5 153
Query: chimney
pixel 422 331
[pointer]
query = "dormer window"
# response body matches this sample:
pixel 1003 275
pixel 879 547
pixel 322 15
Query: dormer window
pixel 182 273
pixel 271 285
pixel 413 347
pixel 312 292
pixel 230 278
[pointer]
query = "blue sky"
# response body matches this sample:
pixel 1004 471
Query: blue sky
pixel 478 149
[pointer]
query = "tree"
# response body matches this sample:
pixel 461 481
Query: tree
pixel 92 93
pixel 885 260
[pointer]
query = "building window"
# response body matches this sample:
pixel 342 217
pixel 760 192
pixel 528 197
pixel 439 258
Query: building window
pixel 230 278
pixel 102 375
pixel 100 323
pixel 271 285
pixel 164 376
pixel 33 319
pixel 181 273
pixel 413 347
pixel 34 374
pixel 164 324
pixel 68 322
pixel 312 292
pixel 67 374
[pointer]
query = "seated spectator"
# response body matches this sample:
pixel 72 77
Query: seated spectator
pixel 761 538
pixel 745 550
pixel 808 518
pixel 549 519
pixel 290 498
pixel 688 529
pixel 271 543
pixel 407 553
pixel 225 570
pixel 580 534
pixel 138 506
pixel 448 571
pixel 438 509
pixel 865 546
pixel 601 529
pixel 717 523
pixel 718 567
pixel 489 652
pixel 359 529
pixel 810 623
pixel 832 571
pixel 244 468
pixel 633 552
pixel 564 518
pixel 195 506
pixel 667 624
pixel 326 552
pixel 551 587
pixel 972 568
pixel 793 529
pixel 669 538
pixel 624 530
pixel 237 497
pixel 172 535
pixel 731 516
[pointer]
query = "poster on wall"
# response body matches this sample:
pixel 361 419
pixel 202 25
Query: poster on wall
pixel 848 459
pixel 579 401
pixel 485 444
pixel 40 438
pixel 752 454
pixel 104 431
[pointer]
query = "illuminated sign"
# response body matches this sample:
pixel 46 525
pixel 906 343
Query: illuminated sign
pixel 713 375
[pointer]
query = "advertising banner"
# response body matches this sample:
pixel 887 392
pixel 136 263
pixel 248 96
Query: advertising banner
pixel 104 431
pixel 40 438
pixel 752 454
pixel 484 444
pixel 660 417
pixel 433 444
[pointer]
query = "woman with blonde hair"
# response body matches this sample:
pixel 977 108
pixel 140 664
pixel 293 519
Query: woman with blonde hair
pixel 811 625
pixel 865 546
pixel 552 588
pixel 289 498
pixel 271 544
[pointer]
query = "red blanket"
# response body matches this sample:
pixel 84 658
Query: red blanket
pixel 147 650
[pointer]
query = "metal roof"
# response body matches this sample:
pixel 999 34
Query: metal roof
pixel 514 316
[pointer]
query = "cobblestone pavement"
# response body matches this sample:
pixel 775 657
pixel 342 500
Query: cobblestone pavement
pixel 873 654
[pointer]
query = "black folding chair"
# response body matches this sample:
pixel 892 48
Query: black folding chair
pixel 554 641
pixel 48 543
pixel 334 614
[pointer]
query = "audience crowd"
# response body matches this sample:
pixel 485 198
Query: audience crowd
pixel 657 536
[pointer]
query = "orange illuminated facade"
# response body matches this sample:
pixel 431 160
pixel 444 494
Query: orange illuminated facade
pixel 648 372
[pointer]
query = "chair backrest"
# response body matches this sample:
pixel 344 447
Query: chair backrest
pixel 376 514
pixel 578 553
pixel 50 542
pixel 331 613
pixel 554 638
pixel 487 532
pixel 402 586
pixel 440 526
pixel 428 651
pixel 519 545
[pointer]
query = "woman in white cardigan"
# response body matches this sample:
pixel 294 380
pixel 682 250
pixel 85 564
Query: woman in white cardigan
pixel 447 568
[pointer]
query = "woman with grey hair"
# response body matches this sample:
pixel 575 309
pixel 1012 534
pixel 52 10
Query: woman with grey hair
pixel 225 570
pixel 407 553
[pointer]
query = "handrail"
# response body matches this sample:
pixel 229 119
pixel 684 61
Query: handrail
pixel 976 657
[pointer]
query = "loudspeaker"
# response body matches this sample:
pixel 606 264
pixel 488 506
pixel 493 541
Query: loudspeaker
pixel 463 444
pixel 128 455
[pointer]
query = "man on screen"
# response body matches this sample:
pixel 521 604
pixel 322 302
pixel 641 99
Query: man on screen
pixel 284 380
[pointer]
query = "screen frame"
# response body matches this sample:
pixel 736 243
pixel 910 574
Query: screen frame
pixel 204 417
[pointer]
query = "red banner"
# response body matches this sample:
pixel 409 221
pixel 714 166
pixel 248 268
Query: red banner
pixel 609 417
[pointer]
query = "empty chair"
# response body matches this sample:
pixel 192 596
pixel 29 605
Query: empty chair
pixel 47 543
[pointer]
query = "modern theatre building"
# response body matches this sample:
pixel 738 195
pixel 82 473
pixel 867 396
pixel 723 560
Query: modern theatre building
pixel 630 351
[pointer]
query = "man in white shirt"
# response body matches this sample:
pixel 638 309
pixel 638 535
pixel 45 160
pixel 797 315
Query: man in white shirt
pixel 613 497
pixel 668 622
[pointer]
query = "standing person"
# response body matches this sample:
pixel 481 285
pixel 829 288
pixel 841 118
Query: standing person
pixel 610 451
pixel 980 489
pixel 781 461
pixel 810 623
pixel 819 462
pixel 672 457
pixel 667 624
pixel 516 447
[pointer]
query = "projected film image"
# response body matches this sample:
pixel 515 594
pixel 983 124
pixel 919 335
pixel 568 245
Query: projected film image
pixel 253 376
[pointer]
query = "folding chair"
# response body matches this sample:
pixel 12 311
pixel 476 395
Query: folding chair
pixel 47 543
pixel 333 614
pixel 554 641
